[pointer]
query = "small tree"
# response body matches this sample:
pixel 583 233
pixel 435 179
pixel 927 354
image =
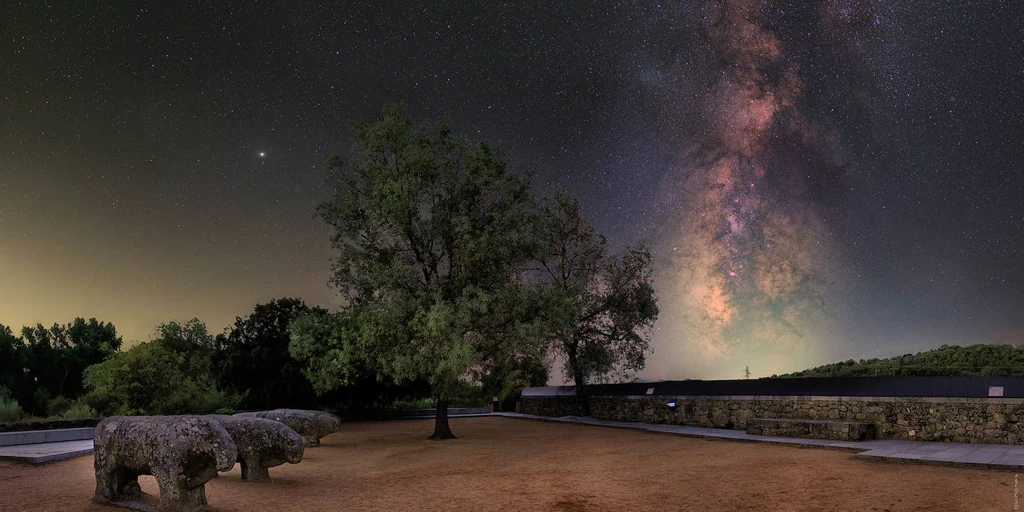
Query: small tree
pixel 599 308
pixel 432 232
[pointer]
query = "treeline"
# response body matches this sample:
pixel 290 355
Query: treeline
pixel 79 370
pixel 947 360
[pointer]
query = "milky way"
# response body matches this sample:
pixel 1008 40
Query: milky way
pixel 753 275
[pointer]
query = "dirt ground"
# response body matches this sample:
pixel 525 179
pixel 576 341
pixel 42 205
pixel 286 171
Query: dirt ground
pixel 505 464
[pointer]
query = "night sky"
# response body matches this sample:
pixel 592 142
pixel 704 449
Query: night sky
pixel 817 180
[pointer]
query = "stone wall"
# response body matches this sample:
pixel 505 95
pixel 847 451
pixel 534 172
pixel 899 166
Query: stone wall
pixel 962 420
pixel 21 426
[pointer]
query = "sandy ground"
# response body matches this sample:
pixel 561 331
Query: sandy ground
pixel 513 464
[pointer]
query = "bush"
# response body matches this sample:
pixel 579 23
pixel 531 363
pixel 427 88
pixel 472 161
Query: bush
pixel 41 400
pixel 151 379
pixel 58 406
pixel 79 410
pixel 9 408
pixel 414 403
pixel 469 395
pixel 213 400
pixel 466 394
pixel 510 399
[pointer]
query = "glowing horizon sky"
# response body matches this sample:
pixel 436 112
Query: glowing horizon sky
pixel 818 182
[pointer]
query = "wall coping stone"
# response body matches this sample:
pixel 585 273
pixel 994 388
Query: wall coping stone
pixel 45 436
pixel 930 399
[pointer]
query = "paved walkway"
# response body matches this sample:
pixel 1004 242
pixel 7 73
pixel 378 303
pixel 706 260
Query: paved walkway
pixel 980 456
pixel 45 452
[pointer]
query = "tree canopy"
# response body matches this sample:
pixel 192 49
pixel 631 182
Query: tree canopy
pixel 432 232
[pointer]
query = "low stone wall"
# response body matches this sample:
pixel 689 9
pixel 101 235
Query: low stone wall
pixel 962 420
pixel 834 430
pixel 21 426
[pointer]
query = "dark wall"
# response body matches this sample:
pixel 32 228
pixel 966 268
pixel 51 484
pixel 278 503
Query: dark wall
pixel 967 387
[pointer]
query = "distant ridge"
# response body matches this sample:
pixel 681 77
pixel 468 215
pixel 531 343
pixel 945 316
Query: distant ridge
pixel 947 360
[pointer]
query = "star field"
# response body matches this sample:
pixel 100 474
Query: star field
pixel 818 180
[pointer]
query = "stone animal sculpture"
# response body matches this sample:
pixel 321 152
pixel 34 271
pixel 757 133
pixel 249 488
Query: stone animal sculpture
pixel 262 444
pixel 311 425
pixel 324 425
pixel 181 452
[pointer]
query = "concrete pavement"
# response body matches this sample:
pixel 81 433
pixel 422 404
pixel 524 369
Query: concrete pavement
pixel 46 452
pixel 965 455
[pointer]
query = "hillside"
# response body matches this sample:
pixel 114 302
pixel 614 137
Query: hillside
pixel 947 360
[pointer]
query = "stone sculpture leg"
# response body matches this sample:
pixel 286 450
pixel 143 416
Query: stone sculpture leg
pixel 113 484
pixel 175 496
pixel 253 471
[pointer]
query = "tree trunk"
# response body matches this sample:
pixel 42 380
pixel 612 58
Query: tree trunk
pixel 582 399
pixel 582 396
pixel 441 429
pixel 60 389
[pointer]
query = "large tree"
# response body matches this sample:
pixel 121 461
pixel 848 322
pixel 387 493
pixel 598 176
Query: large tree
pixel 253 357
pixel 599 307
pixel 432 231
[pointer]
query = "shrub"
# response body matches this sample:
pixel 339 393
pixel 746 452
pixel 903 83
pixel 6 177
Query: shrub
pixel 79 410
pixel 515 382
pixel 212 400
pixel 465 394
pixel 41 400
pixel 58 406
pixel 151 379
pixel 415 403
pixel 9 409
pixel 468 394
pixel 509 399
